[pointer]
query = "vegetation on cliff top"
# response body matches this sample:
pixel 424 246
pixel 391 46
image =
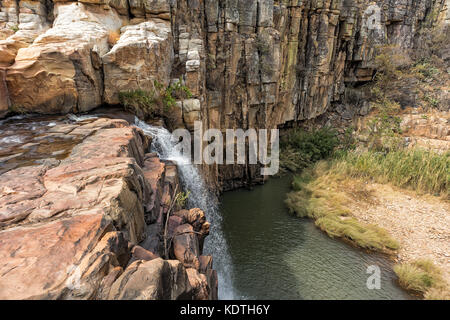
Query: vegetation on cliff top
pixel 155 103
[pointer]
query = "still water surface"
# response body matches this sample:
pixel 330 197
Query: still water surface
pixel 276 255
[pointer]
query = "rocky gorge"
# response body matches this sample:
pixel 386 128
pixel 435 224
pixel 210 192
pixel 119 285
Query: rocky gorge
pixel 87 210
pixel 248 64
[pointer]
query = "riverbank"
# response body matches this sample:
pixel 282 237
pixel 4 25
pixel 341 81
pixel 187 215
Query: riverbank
pixel 349 199
pixel 420 223
pixel 385 185
pixel 276 255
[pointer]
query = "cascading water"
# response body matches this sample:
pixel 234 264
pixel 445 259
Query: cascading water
pixel 200 197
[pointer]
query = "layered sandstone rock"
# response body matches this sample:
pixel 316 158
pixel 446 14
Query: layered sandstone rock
pixel 266 61
pixel 129 66
pixel 70 228
pixel 61 71
pixel 152 280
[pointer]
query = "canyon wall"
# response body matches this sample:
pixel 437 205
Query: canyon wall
pixel 248 64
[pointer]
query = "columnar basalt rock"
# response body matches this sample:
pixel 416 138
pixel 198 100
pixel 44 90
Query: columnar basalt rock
pixel 92 225
pixel 269 63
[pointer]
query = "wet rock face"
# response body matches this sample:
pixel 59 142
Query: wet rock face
pixel 91 225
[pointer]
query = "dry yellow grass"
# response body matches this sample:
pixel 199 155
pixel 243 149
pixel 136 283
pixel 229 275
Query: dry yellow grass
pixel 424 278
pixel 321 195
pixel 345 198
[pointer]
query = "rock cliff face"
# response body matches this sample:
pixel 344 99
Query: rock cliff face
pixel 85 219
pixel 256 63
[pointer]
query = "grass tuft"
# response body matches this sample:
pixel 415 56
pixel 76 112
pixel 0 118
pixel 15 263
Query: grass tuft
pixel 155 103
pixel 424 278
pixel 318 196
pixel 420 170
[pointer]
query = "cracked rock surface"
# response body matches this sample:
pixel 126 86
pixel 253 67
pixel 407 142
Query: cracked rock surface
pixel 88 223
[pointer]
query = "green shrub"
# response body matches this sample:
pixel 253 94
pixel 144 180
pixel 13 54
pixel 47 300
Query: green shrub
pixel 432 101
pixel 14 28
pixel 155 103
pixel 300 148
pixel 384 126
pixel 16 109
pixel 139 100
pixel 425 69
pixel 181 199
pixel 389 64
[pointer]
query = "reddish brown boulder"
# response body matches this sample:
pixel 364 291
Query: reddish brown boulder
pixel 206 263
pixel 173 223
pixel 151 280
pixel 199 284
pixel 55 216
pixel 197 219
pixel 140 253
pixel 213 284
pixel 102 172
pixel 185 246
pixel 69 228
pixel 20 193
pixel 40 261
pixel 154 172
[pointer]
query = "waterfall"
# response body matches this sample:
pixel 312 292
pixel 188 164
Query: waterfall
pixel 200 197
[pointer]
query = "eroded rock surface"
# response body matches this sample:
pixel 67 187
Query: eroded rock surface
pixel 61 70
pixel 90 225
pixel 143 54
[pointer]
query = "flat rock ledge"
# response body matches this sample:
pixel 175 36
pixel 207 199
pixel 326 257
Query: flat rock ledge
pixel 91 226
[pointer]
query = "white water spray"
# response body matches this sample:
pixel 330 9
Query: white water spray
pixel 200 197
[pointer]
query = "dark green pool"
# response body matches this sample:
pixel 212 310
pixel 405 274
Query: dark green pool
pixel 278 256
